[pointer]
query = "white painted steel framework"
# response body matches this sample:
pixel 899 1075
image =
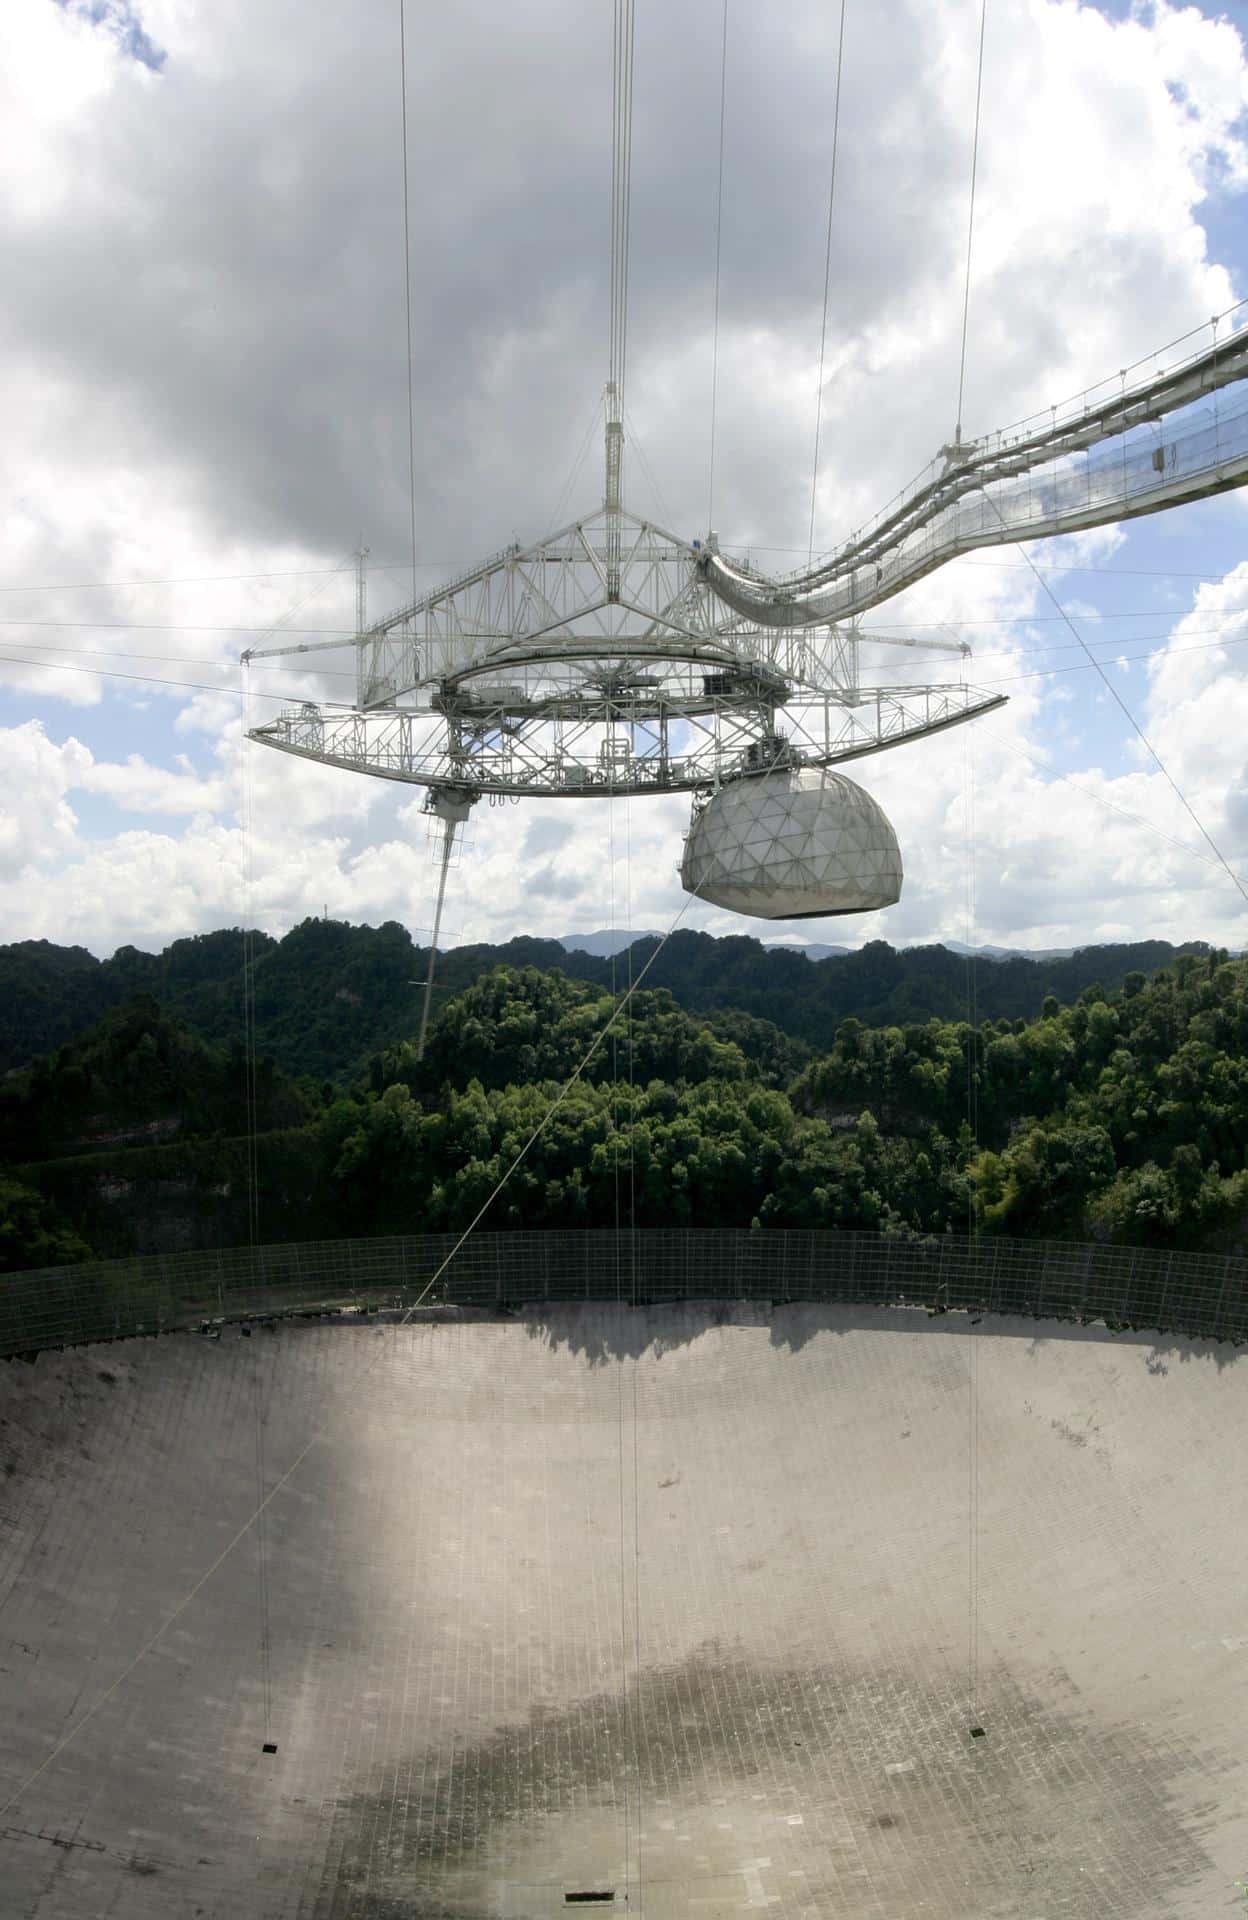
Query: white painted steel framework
pixel 614 656
pixel 598 661
pixel 1121 450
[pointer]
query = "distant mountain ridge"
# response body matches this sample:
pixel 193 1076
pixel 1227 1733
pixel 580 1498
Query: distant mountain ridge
pixel 329 995
pixel 614 940
pixel 609 940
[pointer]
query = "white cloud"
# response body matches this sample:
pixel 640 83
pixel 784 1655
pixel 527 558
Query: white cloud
pixel 37 822
pixel 138 787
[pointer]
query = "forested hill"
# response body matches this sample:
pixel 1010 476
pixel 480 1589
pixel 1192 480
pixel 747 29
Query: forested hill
pixel 329 995
pixel 1123 1116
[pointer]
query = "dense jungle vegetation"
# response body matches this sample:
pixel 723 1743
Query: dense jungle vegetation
pixel 328 995
pixel 1120 1114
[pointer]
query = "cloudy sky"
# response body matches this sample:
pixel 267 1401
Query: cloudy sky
pixel 203 389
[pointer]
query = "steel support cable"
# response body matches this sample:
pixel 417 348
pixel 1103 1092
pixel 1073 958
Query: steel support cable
pixel 972 1228
pixel 614 1117
pixel 407 290
pixel 615 1038
pixel 172 659
pixel 1138 819
pixel 632 1704
pixel 970 220
pixel 1161 651
pixel 578 461
pixel 623 38
pixel 827 275
pixel 637 447
pixel 626 236
pixel 615 196
pixel 146 679
pixel 614 1112
pixel 972 1037
pixel 900 636
pixel 632 1251
pixel 1138 730
pixel 249 1020
pixel 629 1049
pixel 177 580
pixel 343 636
pixel 253 1182
pixel 1221 616
pixel 44 664
pixel 455 566
pixel 50 647
pixel 719 225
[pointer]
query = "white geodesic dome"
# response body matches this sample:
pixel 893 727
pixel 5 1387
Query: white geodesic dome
pixel 792 845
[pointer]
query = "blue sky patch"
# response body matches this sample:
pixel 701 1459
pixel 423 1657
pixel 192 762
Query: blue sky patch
pixel 119 18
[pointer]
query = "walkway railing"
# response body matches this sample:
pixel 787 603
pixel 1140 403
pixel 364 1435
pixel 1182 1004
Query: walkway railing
pixel 1186 1293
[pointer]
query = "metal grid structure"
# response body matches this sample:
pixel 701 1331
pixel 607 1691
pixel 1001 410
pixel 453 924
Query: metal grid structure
pixel 1111 456
pixel 631 741
pixel 615 656
pixel 1143 1287
pixel 596 661
pixel 799 840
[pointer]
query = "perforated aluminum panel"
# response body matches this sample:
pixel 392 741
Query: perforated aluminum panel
pixel 793 844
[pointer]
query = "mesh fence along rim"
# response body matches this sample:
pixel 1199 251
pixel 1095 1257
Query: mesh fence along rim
pixel 1199 1295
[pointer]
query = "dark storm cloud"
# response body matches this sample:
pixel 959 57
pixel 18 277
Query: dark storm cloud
pixel 222 290
pixel 219 293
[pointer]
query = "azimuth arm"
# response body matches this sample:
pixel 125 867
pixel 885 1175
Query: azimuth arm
pixel 1150 446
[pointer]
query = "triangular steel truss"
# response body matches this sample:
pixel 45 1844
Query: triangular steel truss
pixel 598 660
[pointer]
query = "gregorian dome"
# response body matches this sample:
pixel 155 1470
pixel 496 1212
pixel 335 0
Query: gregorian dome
pixel 793 844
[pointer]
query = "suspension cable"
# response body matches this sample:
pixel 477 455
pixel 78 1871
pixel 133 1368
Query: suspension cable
pixel 565 493
pixel 972 1009
pixel 407 287
pixel 1186 804
pixel 970 220
pixel 614 1136
pixel 624 24
pixel 827 273
pixel 972 1227
pixel 252 1151
pixel 719 226
pixel 1041 765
